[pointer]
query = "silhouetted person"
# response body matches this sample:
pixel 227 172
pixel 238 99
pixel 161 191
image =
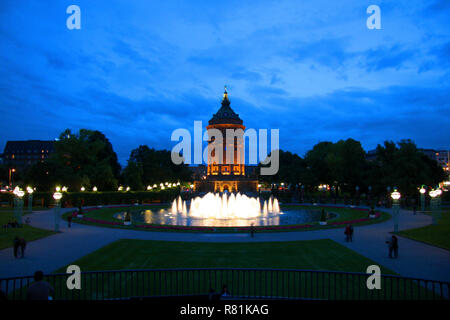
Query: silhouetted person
pixel 39 289
pixel 225 292
pixel 23 245
pixel 351 233
pixel 252 230
pixel 395 246
pixel 347 233
pixel 69 221
pixel 16 245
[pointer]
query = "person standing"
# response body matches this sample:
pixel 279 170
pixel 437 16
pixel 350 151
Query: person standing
pixel 225 292
pixel 395 246
pixel 69 221
pixel 23 245
pixel 39 289
pixel 252 230
pixel 351 233
pixel 16 246
pixel 347 233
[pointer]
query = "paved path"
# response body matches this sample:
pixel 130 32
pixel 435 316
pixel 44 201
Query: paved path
pixel 416 259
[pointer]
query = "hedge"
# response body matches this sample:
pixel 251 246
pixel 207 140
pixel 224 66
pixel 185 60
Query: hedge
pixel 74 199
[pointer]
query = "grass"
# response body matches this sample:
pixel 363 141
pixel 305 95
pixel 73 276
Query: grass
pixel 155 255
pixel 436 235
pixel 344 214
pixel 144 254
pixel 27 232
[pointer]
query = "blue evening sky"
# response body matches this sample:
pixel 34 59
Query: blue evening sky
pixel 137 70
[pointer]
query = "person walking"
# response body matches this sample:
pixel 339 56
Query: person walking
pixel 40 289
pixel 392 246
pixel 69 221
pixel 16 246
pixel 23 245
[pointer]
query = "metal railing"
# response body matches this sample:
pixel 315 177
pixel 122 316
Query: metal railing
pixel 242 283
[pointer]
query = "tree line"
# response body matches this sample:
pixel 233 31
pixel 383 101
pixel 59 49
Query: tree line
pixel 345 168
pixel 87 158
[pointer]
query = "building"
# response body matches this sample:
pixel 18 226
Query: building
pixel 225 174
pixel 19 155
pixel 441 156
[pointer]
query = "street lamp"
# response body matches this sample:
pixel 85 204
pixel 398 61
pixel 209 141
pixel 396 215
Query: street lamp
pixel 438 204
pixel 422 198
pixel 94 189
pixel 434 194
pixel 18 205
pixel 30 199
pixel 57 196
pixel 395 208
pixel 11 171
pixel 83 189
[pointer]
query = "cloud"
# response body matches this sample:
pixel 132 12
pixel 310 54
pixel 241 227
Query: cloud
pixel 315 74
pixel 384 58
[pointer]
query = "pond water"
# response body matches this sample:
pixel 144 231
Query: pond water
pixel 165 217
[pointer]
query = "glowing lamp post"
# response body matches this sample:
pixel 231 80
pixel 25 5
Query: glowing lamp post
pixel 57 196
pixel 94 189
pixel 18 205
pixel 434 194
pixel 30 199
pixel 422 198
pixel 395 208
pixel 438 203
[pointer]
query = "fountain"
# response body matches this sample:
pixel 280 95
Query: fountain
pixel 214 206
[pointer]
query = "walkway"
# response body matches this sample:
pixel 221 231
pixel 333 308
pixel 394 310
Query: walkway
pixel 416 259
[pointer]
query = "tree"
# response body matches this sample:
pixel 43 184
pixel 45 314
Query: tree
pixel 133 175
pixel 316 160
pixel 154 166
pixel 291 169
pixel 403 166
pixel 82 159
pixel 346 164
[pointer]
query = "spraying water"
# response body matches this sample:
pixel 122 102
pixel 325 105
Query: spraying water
pixel 225 207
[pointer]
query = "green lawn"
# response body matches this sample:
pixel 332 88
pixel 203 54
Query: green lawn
pixel 144 254
pixel 135 255
pixel 437 235
pixel 27 232
pixel 344 214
